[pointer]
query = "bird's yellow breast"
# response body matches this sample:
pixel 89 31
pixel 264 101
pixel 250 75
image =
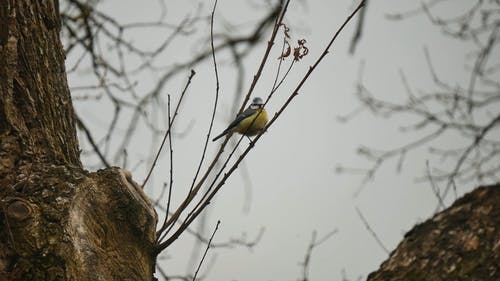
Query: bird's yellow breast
pixel 247 128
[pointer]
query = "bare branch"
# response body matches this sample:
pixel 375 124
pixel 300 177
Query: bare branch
pixel 313 244
pixel 359 30
pixel 216 97
pixel 211 237
pixel 82 126
pixel 370 230
pixel 170 124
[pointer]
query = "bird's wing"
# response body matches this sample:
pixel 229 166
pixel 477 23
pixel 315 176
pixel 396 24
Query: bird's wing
pixel 245 114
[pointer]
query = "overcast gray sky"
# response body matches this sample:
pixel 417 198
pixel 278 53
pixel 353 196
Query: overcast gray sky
pixel 294 189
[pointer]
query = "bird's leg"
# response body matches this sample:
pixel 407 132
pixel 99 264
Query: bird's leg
pixel 249 139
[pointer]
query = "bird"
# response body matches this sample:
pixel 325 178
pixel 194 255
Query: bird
pixel 250 122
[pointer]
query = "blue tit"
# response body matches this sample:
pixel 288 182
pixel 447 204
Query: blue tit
pixel 250 122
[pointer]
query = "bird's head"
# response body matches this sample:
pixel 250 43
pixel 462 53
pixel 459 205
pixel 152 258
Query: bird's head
pixel 257 103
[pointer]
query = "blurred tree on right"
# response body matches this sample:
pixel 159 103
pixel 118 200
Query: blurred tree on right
pixel 468 109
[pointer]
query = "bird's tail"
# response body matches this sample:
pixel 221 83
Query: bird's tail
pixel 220 136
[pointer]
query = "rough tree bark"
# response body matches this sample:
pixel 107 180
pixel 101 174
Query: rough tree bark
pixel 459 243
pixel 58 221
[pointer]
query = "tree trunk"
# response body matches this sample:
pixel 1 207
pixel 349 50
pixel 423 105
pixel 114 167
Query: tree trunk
pixel 58 221
pixel 459 243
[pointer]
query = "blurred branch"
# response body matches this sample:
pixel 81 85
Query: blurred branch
pixel 312 245
pixel 435 188
pixel 467 109
pixel 359 30
pixel 91 140
pixel 370 230
pixel 167 277
pixel 344 277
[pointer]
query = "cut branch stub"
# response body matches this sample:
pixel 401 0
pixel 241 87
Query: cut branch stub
pixel 18 209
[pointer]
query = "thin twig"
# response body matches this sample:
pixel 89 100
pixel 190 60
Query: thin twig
pixel 216 97
pixel 82 126
pixel 232 242
pixel 281 59
pixel 169 200
pixel 169 128
pixel 209 242
pixel 270 44
pixel 368 227
pixel 435 188
pixel 163 227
